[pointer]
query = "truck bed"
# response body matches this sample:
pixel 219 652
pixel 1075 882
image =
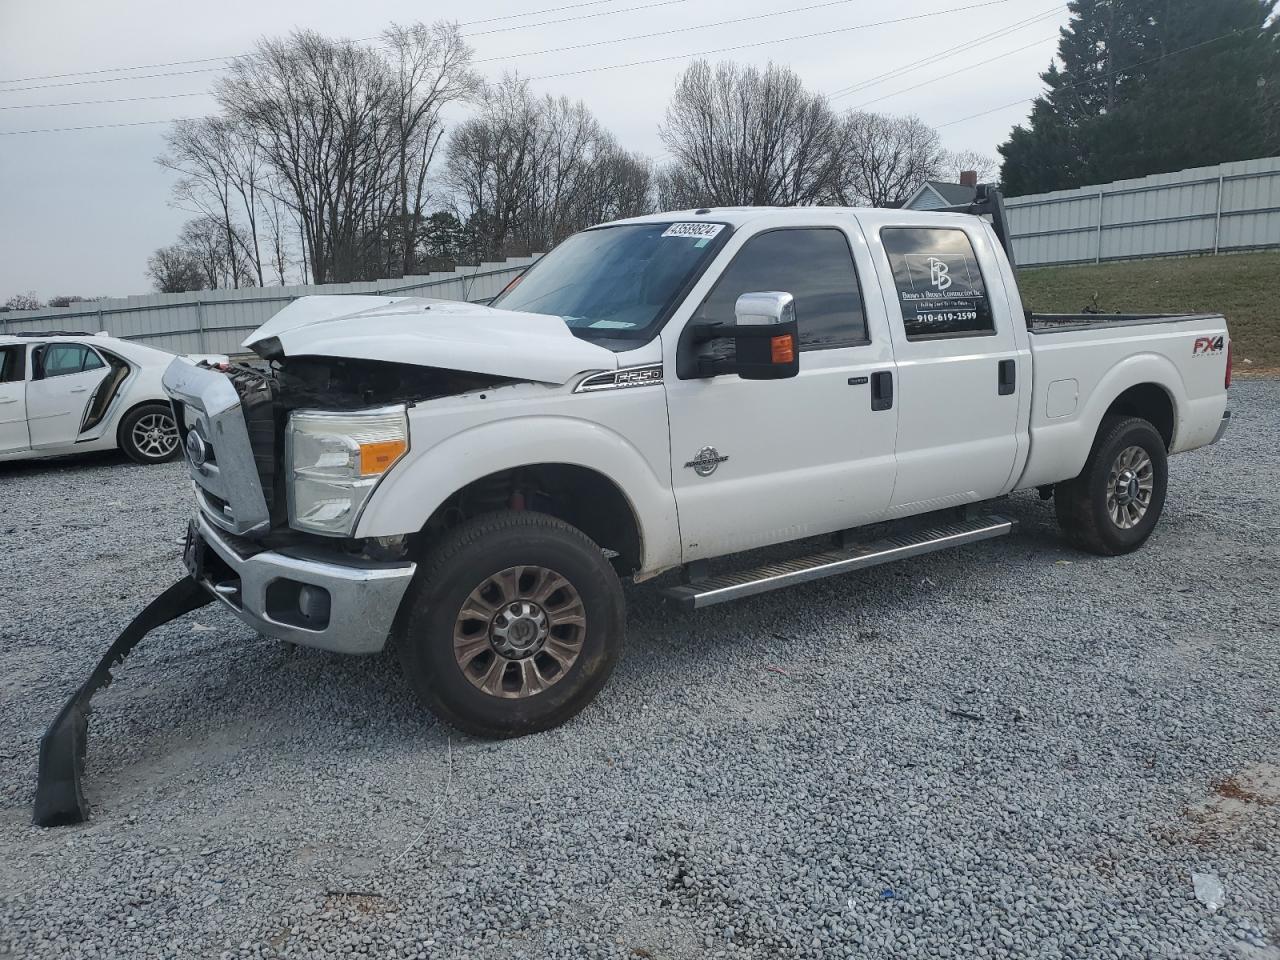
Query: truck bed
pixel 1064 322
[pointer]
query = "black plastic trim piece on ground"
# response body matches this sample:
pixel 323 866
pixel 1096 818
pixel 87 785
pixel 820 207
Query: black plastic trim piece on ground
pixel 59 792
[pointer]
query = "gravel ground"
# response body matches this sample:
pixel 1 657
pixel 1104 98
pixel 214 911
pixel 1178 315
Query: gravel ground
pixel 1008 750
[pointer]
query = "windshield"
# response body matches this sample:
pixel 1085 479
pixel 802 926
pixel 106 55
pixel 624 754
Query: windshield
pixel 617 281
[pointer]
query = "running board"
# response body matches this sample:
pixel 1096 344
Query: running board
pixel 785 573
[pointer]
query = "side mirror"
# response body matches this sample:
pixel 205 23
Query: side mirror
pixel 765 337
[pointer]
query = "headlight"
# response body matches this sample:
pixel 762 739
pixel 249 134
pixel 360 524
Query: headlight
pixel 334 462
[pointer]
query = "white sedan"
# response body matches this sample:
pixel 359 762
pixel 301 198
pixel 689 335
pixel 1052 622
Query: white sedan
pixel 63 394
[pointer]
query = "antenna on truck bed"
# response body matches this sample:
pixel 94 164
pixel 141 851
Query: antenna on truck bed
pixel 989 201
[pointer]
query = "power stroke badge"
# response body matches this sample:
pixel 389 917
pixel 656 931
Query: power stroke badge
pixel 705 461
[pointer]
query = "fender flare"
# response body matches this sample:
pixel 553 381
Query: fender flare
pixel 411 492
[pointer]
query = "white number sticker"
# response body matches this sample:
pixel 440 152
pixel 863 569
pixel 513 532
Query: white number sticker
pixel 696 231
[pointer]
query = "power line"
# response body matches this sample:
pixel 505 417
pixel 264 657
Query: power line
pixel 1105 76
pixel 97 126
pixel 634 63
pixel 944 54
pixel 184 63
pixel 761 43
pixel 964 69
pixel 95 103
pixel 664 33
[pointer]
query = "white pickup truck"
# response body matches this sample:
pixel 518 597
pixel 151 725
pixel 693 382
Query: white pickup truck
pixel 468 483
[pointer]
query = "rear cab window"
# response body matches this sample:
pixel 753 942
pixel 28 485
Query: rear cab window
pixel 941 291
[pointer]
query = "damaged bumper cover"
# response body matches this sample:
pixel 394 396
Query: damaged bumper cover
pixel 308 596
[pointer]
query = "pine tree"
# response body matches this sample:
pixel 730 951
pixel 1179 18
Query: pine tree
pixel 1150 86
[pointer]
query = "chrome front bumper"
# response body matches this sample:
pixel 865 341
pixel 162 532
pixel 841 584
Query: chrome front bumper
pixel 315 598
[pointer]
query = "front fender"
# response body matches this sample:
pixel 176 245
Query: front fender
pixel 412 491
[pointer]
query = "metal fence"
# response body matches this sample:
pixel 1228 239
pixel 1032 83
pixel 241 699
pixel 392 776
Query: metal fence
pixel 1230 207
pixel 216 321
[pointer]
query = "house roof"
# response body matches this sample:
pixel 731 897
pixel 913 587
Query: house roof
pixel 954 193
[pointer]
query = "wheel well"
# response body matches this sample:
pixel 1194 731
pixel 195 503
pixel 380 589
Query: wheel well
pixel 577 495
pixel 128 410
pixel 1150 402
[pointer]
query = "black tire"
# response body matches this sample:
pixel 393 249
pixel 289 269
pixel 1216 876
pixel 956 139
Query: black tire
pixel 468 559
pixel 1084 511
pixel 138 450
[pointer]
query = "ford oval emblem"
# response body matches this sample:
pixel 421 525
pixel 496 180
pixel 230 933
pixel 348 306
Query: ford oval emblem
pixel 197 449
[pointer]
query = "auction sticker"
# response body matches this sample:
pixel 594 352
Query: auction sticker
pixel 694 231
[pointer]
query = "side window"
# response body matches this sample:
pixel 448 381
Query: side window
pixel 940 286
pixel 814 265
pixel 60 359
pixel 10 364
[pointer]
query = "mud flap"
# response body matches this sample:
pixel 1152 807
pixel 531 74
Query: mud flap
pixel 59 794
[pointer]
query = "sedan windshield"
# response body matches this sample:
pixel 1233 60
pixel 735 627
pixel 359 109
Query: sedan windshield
pixel 616 281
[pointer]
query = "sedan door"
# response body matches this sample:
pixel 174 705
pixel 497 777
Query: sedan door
pixel 13 400
pixel 64 378
pixel 756 462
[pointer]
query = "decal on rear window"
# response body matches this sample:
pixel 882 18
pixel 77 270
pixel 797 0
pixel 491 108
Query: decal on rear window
pixel 940 286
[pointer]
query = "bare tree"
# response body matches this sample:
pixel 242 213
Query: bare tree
pixel 886 158
pixel 490 165
pixel 742 136
pixel 222 176
pixel 174 269
pixel 431 67
pixel 956 162
pixel 526 171
pixel 23 301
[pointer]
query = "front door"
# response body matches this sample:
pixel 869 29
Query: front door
pixel 959 382
pixel 13 400
pixel 64 377
pixel 763 461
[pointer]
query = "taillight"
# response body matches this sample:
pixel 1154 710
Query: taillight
pixel 1227 380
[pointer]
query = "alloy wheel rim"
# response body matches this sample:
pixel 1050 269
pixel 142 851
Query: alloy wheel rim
pixel 1130 484
pixel 519 632
pixel 155 435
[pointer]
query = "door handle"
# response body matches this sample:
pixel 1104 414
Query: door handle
pixel 1007 377
pixel 882 390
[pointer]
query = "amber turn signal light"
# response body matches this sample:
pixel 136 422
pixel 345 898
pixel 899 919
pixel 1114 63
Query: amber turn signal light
pixel 782 349
pixel 377 457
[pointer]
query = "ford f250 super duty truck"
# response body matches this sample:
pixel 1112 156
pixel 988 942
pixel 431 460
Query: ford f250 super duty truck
pixel 469 483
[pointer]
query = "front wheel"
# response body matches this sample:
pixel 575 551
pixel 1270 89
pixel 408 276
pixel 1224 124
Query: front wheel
pixel 1114 504
pixel 149 434
pixel 512 626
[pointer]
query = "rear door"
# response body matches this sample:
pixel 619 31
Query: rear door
pixel 958 364
pixel 13 399
pixel 64 378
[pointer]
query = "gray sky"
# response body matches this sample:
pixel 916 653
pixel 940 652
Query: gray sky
pixel 81 211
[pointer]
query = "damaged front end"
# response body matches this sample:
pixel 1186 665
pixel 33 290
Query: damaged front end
pixel 331 592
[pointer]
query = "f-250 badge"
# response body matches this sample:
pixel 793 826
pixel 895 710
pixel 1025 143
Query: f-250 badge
pixel 706 461
pixel 1207 345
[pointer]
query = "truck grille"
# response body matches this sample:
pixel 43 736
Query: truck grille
pixel 228 442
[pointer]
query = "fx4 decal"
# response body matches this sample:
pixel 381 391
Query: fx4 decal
pixel 1207 346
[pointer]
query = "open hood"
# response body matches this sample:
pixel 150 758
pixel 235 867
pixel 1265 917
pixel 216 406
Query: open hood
pixel 431 333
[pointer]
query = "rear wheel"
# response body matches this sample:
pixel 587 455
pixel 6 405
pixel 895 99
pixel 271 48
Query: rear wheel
pixel 148 434
pixel 512 626
pixel 1115 503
